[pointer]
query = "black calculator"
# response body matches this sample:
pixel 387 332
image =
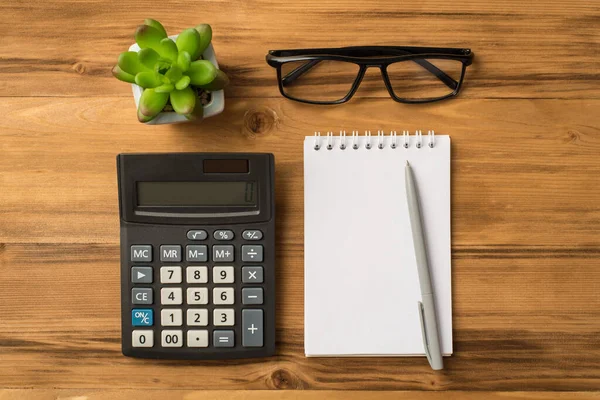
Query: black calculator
pixel 197 255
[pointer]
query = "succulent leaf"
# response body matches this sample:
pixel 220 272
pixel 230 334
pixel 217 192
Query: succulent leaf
pixel 144 118
pixel 201 72
pixel 183 60
pixel 183 101
pixel 167 49
pixel 147 36
pixel 189 40
pixel 148 57
pixel 151 103
pixel 220 81
pixel 148 79
pixel 205 32
pixel 128 62
pixel 174 73
pixel 198 113
pixel 156 25
pixel 122 75
pixel 165 88
pixel 183 82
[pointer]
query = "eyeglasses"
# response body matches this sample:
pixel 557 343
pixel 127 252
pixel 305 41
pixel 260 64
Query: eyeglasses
pixel 332 76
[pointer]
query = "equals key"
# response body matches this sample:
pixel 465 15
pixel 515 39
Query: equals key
pixel 223 338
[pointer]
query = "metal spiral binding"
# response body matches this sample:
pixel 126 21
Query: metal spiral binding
pixel 330 140
pixel 419 136
pixel 380 144
pixel 406 140
pixel 431 140
pixel 342 140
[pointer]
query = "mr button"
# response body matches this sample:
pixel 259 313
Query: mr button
pixel 170 253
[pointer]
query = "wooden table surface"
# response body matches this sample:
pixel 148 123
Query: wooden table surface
pixel 525 193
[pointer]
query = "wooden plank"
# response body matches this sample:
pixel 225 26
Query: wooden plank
pixel 523 50
pixel 518 323
pixel 523 172
pixel 90 394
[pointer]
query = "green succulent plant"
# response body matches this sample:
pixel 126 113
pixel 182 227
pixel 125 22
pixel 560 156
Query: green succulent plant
pixel 170 71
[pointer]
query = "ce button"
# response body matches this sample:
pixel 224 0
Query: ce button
pixel 141 296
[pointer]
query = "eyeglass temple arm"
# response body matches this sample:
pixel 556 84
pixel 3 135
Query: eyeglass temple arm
pixel 302 69
pixel 298 72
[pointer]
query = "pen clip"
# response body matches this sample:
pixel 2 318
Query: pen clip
pixel 424 332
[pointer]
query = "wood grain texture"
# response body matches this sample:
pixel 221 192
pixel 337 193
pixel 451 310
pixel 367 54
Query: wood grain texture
pixel 41 394
pixel 525 189
pixel 546 49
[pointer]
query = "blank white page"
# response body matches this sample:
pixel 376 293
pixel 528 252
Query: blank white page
pixel 361 286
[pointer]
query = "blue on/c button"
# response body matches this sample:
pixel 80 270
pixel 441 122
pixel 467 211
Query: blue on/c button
pixel 142 317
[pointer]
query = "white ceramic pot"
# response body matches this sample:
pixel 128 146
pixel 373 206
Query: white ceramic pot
pixel 214 107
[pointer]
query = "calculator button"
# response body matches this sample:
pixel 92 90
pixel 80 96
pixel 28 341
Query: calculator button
pixel 197 274
pixel 223 274
pixel 223 339
pixel 142 317
pixel 252 274
pixel 223 234
pixel 141 252
pixel 252 234
pixel 252 296
pixel 223 253
pixel 141 338
pixel 172 338
pixel 141 296
pixel 197 317
pixel 197 295
pixel 222 295
pixel 141 274
pixel 252 253
pixel 197 234
pixel 197 338
pixel 171 317
pixel 223 317
pixel 171 296
pixel 170 253
pixel 252 328
pixel 196 253
pixel 170 275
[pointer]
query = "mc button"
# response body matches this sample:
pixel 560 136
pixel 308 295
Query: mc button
pixel 141 252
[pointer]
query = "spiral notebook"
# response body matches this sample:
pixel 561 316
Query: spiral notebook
pixel 361 283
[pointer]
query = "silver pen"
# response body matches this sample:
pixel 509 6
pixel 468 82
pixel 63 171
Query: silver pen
pixel 427 314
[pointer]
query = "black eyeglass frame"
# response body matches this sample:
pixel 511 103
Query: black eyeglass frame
pixel 378 56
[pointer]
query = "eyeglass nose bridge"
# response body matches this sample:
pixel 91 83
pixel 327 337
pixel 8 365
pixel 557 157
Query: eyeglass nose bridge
pixel 375 65
pixel 361 74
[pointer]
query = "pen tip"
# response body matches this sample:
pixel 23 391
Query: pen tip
pixel 407 164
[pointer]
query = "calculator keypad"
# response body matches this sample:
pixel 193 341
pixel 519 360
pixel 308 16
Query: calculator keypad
pixel 199 300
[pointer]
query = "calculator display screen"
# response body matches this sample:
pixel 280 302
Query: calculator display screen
pixel 191 194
